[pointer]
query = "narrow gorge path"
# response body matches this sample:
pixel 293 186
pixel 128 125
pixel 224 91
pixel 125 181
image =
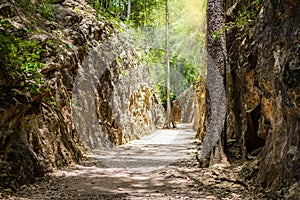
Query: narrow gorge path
pixel 158 166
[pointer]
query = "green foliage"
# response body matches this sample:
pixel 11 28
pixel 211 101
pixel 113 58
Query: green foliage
pixel 74 101
pixel 139 12
pixel 45 9
pixel 5 24
pixel 216 35
pixel 241 20
pixel 162 90
pixel 42 7
pixel 52 101
pixel 187 37
pixel 187 41
pixel 183 73
pixel 21 59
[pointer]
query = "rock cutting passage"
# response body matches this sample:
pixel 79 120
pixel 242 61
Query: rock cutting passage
pixel 158 166
pixel 84 83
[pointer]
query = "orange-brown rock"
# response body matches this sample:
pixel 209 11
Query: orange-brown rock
pixel 263 86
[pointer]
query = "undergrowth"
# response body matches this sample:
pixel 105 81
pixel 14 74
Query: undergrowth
pixel 21 59
pixel 242 20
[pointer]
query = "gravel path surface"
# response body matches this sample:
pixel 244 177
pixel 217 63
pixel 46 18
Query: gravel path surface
pixel 158 166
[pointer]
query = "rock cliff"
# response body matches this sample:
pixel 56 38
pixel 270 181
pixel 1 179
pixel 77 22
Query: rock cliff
pixel 92 90
pixel 263 87
pixel 114 102
pixel 187 104
pixel 200 111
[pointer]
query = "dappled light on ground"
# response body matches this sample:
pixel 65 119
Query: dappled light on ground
pixel 159 166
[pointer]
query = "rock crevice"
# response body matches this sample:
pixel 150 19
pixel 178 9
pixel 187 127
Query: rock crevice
pixel 263 88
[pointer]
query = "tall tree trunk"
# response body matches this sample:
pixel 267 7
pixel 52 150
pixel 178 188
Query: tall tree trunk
pixel 128 10
pixel 168 68
pixel 136 13
pixel 213 143
pixel 144 15
pixel 123 7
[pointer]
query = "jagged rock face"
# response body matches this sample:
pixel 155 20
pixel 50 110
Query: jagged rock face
pixel 37 130
pixel 186 104
pixel 263 92
pixel 200 111
pixel 114 101
pixel 280 159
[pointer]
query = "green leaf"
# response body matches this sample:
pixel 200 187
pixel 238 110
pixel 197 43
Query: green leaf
pixel 37 80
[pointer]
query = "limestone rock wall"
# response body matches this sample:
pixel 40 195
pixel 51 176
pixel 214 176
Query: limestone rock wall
pixel 113 95
pixel 39 131
pixel 36 129
pixel 186 103
pixel 263 88
pixel 200 111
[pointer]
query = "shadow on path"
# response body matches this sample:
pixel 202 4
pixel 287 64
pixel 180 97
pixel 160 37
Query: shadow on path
pixel 158 166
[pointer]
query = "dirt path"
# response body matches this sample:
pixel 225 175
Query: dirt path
pixel 159 166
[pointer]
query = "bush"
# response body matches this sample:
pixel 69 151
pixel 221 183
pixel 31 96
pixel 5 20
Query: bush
pixel 20 59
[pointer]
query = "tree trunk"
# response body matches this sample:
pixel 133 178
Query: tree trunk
pixel 136 13
pixel 144 15
pixel 123 7
pixel 128 10
pixel 168 68
pixel 213 142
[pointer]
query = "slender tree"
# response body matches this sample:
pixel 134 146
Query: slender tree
pixel 128 10
pixel 123 7
pixel 144 19
pixel 168 68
